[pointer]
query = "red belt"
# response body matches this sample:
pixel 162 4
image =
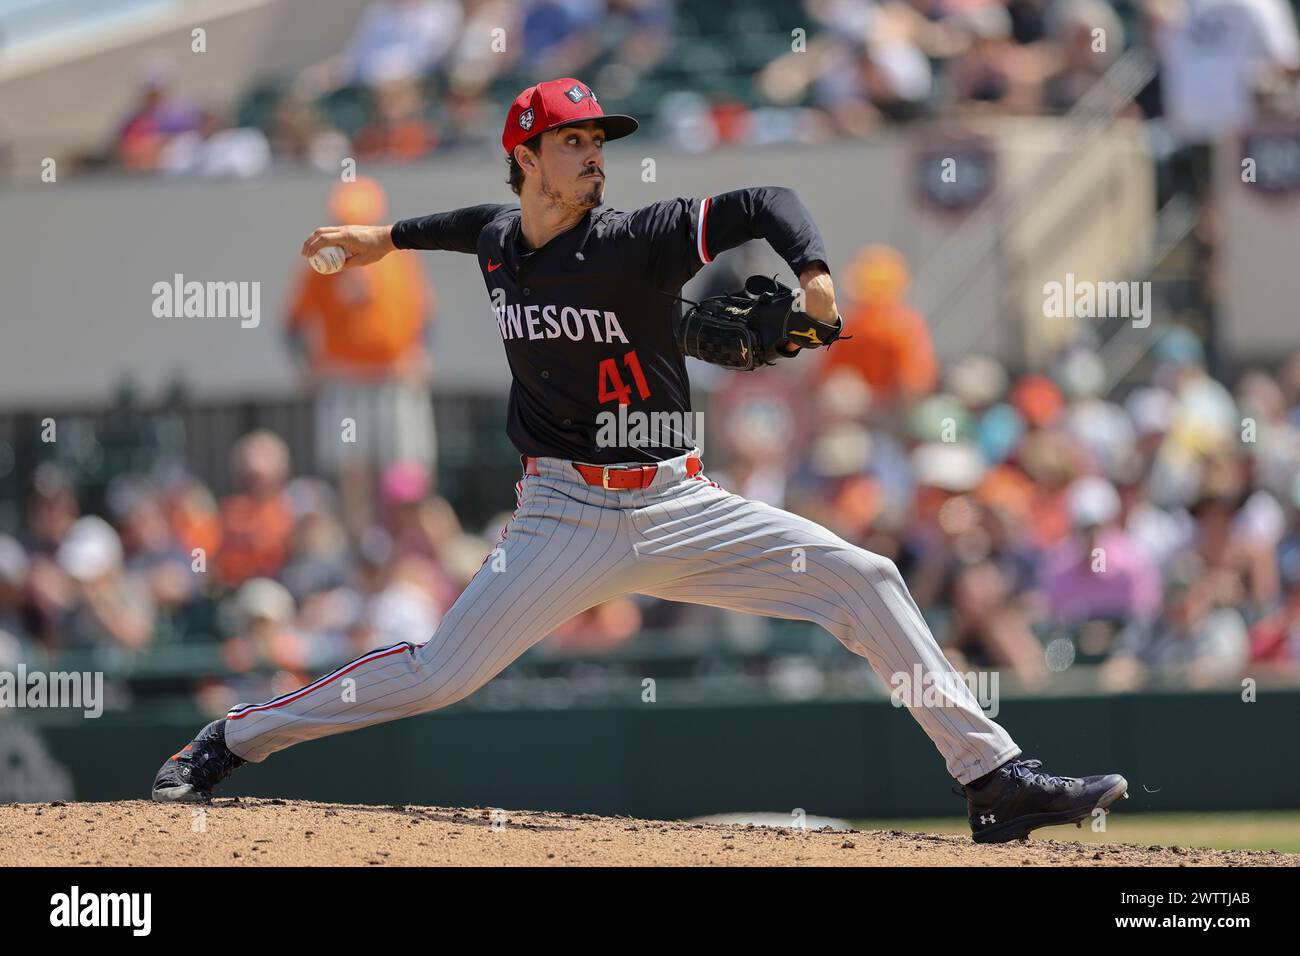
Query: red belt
pixel 611 477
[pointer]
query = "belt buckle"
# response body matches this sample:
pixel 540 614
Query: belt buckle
pixel 604 478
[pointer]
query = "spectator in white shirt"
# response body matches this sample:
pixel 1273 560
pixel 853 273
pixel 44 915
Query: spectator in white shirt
pixel 1214 55
pixel 217 151
pixel 393 40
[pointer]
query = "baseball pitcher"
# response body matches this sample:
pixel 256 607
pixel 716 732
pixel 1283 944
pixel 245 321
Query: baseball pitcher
pixel 585 299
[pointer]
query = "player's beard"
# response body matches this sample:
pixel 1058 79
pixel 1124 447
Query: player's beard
pixel 595 193
pixel 592 194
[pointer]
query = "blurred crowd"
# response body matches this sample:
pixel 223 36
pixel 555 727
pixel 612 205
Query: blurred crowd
pixel 1040 522
pixel 419 76
pixel 415 77
pixel 1046 520
pixel 1220 64
pixel 268 571
pixel 1043 521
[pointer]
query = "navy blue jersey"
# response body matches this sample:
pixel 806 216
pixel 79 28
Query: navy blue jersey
pixel 587 319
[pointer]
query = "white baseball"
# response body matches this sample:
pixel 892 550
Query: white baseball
pixel 328 260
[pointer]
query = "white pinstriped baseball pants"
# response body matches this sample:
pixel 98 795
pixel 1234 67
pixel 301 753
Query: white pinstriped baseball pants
pixel 571 546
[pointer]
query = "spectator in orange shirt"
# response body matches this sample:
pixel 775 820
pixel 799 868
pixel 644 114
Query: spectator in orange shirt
pixel 399 132
pixel 363 334
pixel 193 516
pixel 890 345
pixel 257 521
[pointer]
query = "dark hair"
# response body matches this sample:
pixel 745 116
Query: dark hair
pixel 516 180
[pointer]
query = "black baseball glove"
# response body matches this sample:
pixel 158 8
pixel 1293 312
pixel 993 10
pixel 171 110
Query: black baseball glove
pixel 746 329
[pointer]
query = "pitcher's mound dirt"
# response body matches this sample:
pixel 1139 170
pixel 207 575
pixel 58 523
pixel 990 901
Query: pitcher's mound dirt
pixel 244 832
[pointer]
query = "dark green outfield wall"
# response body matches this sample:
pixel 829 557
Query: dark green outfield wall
pixel 1180 751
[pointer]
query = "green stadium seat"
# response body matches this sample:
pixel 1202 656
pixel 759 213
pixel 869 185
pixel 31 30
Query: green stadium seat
pixel 348 109
pixel 258 105
pixel 747 20
pixel 197 621
pixel 691 57
pixel 754 51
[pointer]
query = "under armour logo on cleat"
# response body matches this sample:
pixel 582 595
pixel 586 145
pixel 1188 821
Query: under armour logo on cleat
pixel 988 819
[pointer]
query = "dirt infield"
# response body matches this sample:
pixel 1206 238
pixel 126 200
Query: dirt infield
pixel 244 832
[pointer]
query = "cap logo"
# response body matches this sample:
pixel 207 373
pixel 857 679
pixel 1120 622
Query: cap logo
pixel 526 119
pixel 577 93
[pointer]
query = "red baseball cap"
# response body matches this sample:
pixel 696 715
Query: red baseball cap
pixel 558 103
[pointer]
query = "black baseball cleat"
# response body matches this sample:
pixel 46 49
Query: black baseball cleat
pixel 1020 796
pixel 191 773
